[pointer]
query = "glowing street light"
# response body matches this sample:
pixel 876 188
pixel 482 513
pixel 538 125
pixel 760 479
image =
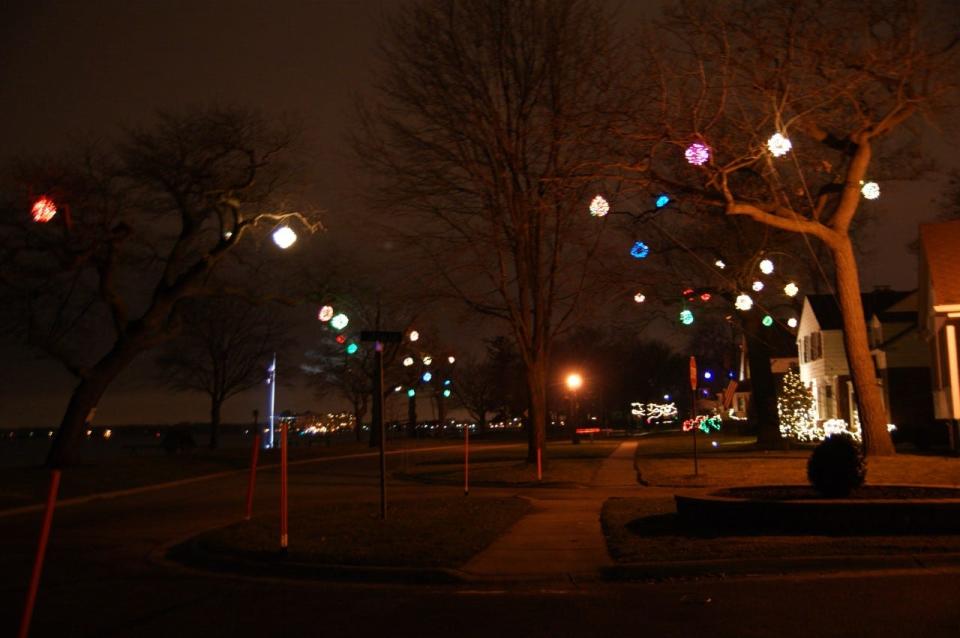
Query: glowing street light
pixel 574 381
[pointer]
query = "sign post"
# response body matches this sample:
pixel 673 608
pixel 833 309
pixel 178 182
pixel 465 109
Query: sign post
pixel 693 411
pixel 380 337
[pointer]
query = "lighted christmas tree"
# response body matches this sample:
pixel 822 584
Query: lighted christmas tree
pixel 798 418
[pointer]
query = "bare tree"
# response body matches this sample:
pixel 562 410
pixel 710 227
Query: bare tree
pixel 487 134
pixel 140 227
pixel 839 79
pixel 224 349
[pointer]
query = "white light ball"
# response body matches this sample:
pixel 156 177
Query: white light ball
pixel 757 286
pixel 325 314
pixel 791 289
pixel 427 360
pixel 414 335
pixel 340 321
pixel 779 145
pixel 451 359
pixel 743 302
pixel 639 297
pixel 792 322
pixel 720 264
pixel 766 266
pixel 407 362
pixel 599 206
pixel 870 190
pixel 284 237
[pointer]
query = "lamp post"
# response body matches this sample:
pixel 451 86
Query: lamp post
pixel 574 382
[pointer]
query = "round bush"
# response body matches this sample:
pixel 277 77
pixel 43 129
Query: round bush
pixel 837 466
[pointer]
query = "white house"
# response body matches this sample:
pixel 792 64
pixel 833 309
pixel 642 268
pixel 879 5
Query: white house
pixel 901 359
pixel 940 316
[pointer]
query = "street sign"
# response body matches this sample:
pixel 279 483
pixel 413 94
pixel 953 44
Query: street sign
pixel 383 336
pixel 693 373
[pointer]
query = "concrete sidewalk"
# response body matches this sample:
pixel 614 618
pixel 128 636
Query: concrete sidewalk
pixel 561 540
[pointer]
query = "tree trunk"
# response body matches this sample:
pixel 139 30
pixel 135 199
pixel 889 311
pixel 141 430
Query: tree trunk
pixel 873 421
pixel 85 397
pixel 215 404
pixel 536 372
pixel 763 401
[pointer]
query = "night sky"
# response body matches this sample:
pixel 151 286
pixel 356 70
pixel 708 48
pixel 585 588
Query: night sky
pixel 77 70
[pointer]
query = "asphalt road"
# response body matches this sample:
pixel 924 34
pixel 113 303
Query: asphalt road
pixel 104 577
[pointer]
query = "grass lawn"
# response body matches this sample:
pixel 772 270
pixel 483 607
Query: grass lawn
pixel 564 463
pixel 640 530
pixel 435 532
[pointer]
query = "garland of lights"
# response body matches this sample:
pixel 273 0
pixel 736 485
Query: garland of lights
pixel 798 416
pixel 703 423
pixel 654 411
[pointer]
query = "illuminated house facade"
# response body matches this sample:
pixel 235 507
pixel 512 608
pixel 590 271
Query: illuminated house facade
pixel 940 317
pixel 901 358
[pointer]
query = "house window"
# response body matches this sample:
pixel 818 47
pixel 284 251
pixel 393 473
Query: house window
pixel 805 349
pixel 816 346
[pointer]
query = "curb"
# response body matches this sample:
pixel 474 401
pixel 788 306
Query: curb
pixel 192 554
pixel 785 566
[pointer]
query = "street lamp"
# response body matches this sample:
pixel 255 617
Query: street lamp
pixel 574 382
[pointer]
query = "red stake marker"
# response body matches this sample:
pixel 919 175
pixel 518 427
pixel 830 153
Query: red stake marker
pixel 283 486
pixel 41 552
pixel 539 466
pixel 254 455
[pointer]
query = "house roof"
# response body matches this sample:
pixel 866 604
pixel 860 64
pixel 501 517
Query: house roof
pixel 939 243
pixel 827 309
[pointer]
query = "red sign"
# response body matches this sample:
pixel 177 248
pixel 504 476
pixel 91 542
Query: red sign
pixel 693 373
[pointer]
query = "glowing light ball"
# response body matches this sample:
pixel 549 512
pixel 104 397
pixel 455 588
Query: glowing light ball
pixel 408 362
pixel 341 339
pixel 662 200
pixel 339 321
pixel 720 264
pixel 791 289
pixel 426 377
pixel 792 322
pixel 639 297
pixel 767 320
pixel 414 335
pixel 640 250
pixel 411 393
pixel 325 314
pixel 707 375
pixel 352 348
pixel 446 394
pixel 705 296
pixel 870 190
pixel 778 145
pixel 766 266
pixel 686 317
pixel 398 388
pixel 743 302
pixel 757 286
pixel 43 210
pixel 427 360
pixel 697 154
pixel 284 237
pixel 599 206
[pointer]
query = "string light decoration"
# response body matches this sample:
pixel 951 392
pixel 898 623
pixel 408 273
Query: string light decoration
pixel 352 348
pixel 411 393
pixel 43 210
pixel 779 145
pixel 639 297
pixel 325 314
pixel 599 207
pixel 720 264
pixel 451 359
pixel 766 266
pixel 407 362
pixel 791 289
pixel 662 200
pixel 447 393
pixel 640 250
pixel 427 360
pixel 704 423
pixel 792 322
pixel 284 237
pixel 697 154
pixel 686 317
pixel 870 190
pixel 743 302
pixel 705 296
pixel 798 417
pixel 341 339
pixel 767 321
pixel 654 411
pixel 414 335
pixel 339 321
pixel 427 376
pixel 757 286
